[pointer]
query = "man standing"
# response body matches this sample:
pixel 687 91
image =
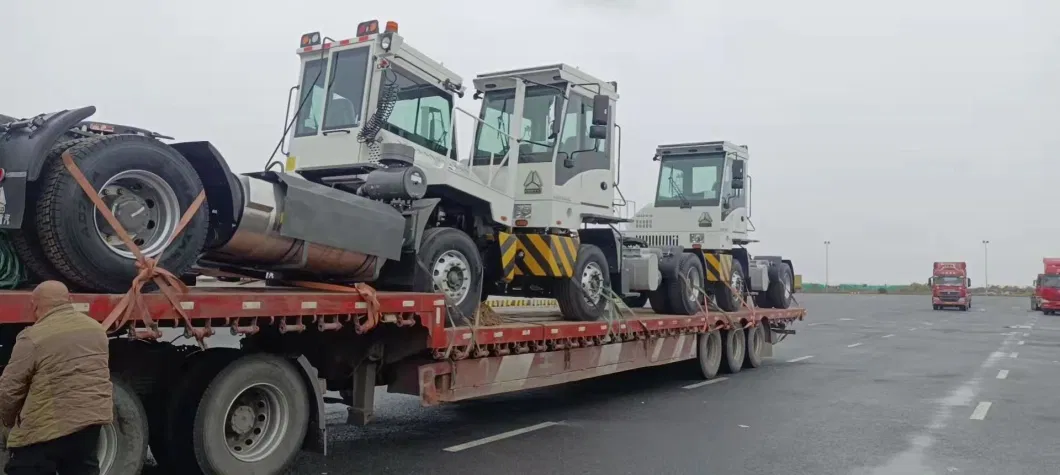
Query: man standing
pixel 55 393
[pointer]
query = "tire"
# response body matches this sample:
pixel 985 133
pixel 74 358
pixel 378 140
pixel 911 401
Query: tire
pixel 171 441
pixel 683 299
pixel 26 241
pixel 66 218
pixel 6 118
pixel 734 344
pixel 126 438
pixel 755 343
pixel 660 303
pixel 636 302
pixel 266 381
pixel 779 292
pixel 709 350
pixel 964 308
pixel 728 300
pixel 450 251
pixel 573 301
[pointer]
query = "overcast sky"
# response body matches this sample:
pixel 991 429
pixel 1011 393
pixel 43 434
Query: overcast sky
pixel 903 132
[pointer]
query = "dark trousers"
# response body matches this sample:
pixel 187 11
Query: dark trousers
pixel 73 454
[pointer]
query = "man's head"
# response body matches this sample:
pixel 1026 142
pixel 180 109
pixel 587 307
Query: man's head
pixel 48 295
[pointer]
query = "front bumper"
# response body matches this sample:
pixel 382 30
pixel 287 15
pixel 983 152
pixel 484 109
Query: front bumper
pixel 959 302
pixel 1049 304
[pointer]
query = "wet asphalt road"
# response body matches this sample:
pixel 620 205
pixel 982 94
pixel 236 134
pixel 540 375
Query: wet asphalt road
pixel 881 385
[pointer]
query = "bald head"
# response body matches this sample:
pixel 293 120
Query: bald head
pixel 48 295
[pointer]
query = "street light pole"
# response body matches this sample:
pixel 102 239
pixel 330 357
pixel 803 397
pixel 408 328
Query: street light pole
pixel 826 244
pixel 986 266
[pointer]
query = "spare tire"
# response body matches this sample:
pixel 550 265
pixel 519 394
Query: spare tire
pixel 147 185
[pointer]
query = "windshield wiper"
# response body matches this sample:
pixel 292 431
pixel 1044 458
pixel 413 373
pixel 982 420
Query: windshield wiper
pixel 674 189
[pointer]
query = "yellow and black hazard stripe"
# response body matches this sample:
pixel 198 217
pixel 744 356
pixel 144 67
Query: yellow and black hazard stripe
pixel 542 255
pixel 719 266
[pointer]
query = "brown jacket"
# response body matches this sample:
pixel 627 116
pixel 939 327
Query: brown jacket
pixel 58 379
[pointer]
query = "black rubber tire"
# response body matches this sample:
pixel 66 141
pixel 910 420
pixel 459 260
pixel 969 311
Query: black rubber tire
pixel 26 241
pixel 569 294
pixel 934 307
pixel 728 300
pixel 660 302
pixel 680 294
pixel 437 241
pixel 734 344
pixel 754 346
pixel 709 350
pixel 130 423
pixel 211 448
pixel 64 213
pixel 6 118
pixel 777 295
pixel 171 443
pixel 964 308
pixel 637 301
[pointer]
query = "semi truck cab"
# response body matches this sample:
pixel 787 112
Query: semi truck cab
pixel 949 286
pixel 1047 288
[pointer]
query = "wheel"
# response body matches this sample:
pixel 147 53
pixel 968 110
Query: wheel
pixel 935 307
pixel 450 263
pixel 123 444
pixel 708 353
pixel 728 300
pixel 584 297
pixel 734 345
pixel 636 302
pixel 171 438
pixel 252 418
pixel 965 308
pixel 147 184
pixel 684 297
pixel 756 342
pixel 779 292
pixel 658 300
pixel 6 118
pixel 26 241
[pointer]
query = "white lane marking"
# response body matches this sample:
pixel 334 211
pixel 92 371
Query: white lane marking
pixel 501 436
pixel 928 323
pixel 1026 334
pixel 980 411
pixel 704 383
pixel 845 319
pixel 887 336
pixel 1002 374
pixel 1014 355
pixel 801 358
pixel 817 323
pixel 855 345
pixel 912 329
pixel 1020 343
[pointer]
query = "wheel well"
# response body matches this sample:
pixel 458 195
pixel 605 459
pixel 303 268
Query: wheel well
pixel 740 255
pixel 223 191
pixel 608 241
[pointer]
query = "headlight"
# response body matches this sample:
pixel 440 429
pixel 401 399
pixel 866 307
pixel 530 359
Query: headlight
pixel 696 238
pixel 523 211
pixel 385 43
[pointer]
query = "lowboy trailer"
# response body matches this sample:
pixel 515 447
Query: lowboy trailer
pixel 250 410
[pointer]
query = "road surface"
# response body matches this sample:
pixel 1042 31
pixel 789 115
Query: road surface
pixel 871 384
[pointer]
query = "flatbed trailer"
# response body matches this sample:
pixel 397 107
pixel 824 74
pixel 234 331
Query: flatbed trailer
pixel 313 341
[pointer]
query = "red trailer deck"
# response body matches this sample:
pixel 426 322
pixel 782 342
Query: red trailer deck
pixel 353 341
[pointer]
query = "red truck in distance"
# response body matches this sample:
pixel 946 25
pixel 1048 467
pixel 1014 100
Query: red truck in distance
pixel 1047 287
pixel 949 286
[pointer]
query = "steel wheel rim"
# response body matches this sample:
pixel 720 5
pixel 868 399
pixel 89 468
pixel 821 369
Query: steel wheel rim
pixel 256 422
pixel 107 448
pixel 695 283
pixel 145 205
pixel 593 283
pixel 452 275
pixel 737 288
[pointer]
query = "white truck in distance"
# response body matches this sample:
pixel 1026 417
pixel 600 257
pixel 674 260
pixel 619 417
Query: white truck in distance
pixel 702 205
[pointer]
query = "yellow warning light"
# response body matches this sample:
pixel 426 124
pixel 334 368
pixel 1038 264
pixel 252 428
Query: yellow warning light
pixel 391 27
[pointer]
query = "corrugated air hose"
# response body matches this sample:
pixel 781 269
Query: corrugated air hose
pixel 12 273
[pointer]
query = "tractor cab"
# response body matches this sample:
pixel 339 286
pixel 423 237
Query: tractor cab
pixel 702 198
pixel 557 125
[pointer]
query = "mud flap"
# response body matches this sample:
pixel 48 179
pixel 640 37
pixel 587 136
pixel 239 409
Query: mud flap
pixel 316 438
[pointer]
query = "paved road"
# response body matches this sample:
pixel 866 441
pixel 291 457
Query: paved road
pixel 873 385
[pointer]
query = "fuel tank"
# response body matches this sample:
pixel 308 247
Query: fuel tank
pixel 290 224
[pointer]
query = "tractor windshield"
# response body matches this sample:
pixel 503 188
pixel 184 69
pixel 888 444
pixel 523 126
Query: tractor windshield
pixel 690 180
pixel 948 280
pixel 344 96
pixel 539 111
pixel 1050 281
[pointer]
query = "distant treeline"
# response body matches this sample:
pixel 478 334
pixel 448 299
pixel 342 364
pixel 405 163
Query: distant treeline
pixel 914 288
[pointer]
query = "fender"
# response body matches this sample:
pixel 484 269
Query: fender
pixel 224 193
pixel 316 438
pixel 22 154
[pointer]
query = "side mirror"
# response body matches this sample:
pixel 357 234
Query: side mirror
pixel 968 283
pixel 737 183
pixel 930 280
pixel 598 132
pixel 601 110
pixel 557 121
pixel 737 170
